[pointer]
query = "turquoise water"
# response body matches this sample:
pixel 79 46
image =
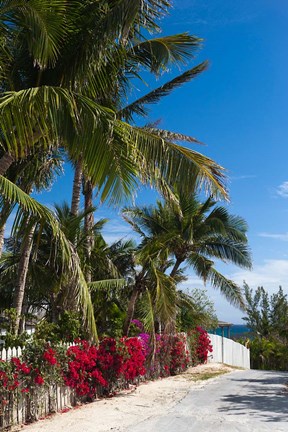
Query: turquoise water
pixel 236 331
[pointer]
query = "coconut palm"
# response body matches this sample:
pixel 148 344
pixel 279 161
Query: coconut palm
pixel 195 234
pixel 53 62
pixel 36 173
pixel 60 96
pixel 46 285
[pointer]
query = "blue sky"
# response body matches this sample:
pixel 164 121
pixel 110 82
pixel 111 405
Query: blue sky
pixel 239 109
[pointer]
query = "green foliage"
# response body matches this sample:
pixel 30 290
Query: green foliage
pixel 46 331
pixel 67 329
pixel 195 309
pixel 267 317
pixel 10 339
pixel 65 69
pixel 268 353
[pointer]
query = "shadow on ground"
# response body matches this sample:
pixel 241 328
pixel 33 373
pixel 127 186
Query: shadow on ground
pixel 266 398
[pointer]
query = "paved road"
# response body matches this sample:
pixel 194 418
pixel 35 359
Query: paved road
pixel 248 401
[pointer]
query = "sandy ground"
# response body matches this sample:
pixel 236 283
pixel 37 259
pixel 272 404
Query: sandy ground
pixel 129 407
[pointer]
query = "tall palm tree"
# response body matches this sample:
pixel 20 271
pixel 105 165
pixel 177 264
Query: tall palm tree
pixel 53 61
pixel 65 108
pixel 37 172
pixel 195 234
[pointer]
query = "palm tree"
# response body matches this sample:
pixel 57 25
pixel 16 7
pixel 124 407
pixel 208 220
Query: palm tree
pixel 37 172
pixel 50 95
pixel 45 285
pixel 60 96
pixel 195 234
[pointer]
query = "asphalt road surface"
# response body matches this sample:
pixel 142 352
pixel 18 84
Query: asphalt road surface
pixel 246 401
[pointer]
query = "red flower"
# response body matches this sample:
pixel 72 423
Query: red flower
pixel 49 356
pixel 39 380
pixel 25 390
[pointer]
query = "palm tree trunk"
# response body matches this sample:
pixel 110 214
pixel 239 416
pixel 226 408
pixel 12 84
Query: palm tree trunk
pixel 22 273
pixel 22 323
pixel 5 162
pixel 172 325
pixel 88 226
pixel 131 310
pixel 2 234
pixel 177 264
pixel 76 193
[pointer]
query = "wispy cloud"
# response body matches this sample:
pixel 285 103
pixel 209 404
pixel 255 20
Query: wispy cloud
pixel 280 236
pixel 271 274
pixel 243 177
pixel 116 229
pixel 282 190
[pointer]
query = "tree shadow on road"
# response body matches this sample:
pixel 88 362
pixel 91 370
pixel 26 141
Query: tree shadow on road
pixel 266 398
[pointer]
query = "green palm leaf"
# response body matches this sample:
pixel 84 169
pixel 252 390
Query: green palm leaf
pixel 138 107
pixel 176 164
pixel 69 258
pixel 228 288
pixel 44 23
pixel 156 54
pixel 107 284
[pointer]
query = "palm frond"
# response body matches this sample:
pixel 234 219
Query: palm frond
pixel 107 284
pixel 138 107
pixel 164 294
pixel 172 136
pixel 146 310
pixel 176 164
pixel 69 259
pixel 230 290
pixel 156 54
pixel 229 250
pixel 43 21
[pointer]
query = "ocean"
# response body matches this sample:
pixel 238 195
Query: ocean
pixel 236 331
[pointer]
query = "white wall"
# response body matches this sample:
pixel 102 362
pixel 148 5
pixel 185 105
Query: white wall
pixel 229 352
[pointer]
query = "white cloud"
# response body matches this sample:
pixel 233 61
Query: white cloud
pixel 243 177
pixel 115 230
pixel 282 190
pixel 283 236
pixel 270 274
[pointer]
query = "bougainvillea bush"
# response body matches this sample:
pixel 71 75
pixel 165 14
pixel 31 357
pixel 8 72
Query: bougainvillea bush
pixel 171 355
pixel 83 373
pixel 199 345
pixel 91 370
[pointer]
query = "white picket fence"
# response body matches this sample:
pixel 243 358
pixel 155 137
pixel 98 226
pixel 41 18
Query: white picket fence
pixel 7 354
pixel 22 408
pixel 229 352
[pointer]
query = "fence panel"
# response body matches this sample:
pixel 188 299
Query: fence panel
pixel 229 352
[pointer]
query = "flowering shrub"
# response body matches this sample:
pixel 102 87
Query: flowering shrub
pixel 89 369
pixel 110 360
pixel 133 365
pixel 171 355
pixel 82 373
pixel 44 363
pixel 200 345
pixel 179 355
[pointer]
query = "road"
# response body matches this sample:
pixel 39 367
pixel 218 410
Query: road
pixel 246 401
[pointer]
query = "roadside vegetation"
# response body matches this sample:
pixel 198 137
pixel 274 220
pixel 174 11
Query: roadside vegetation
pixel 267 317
